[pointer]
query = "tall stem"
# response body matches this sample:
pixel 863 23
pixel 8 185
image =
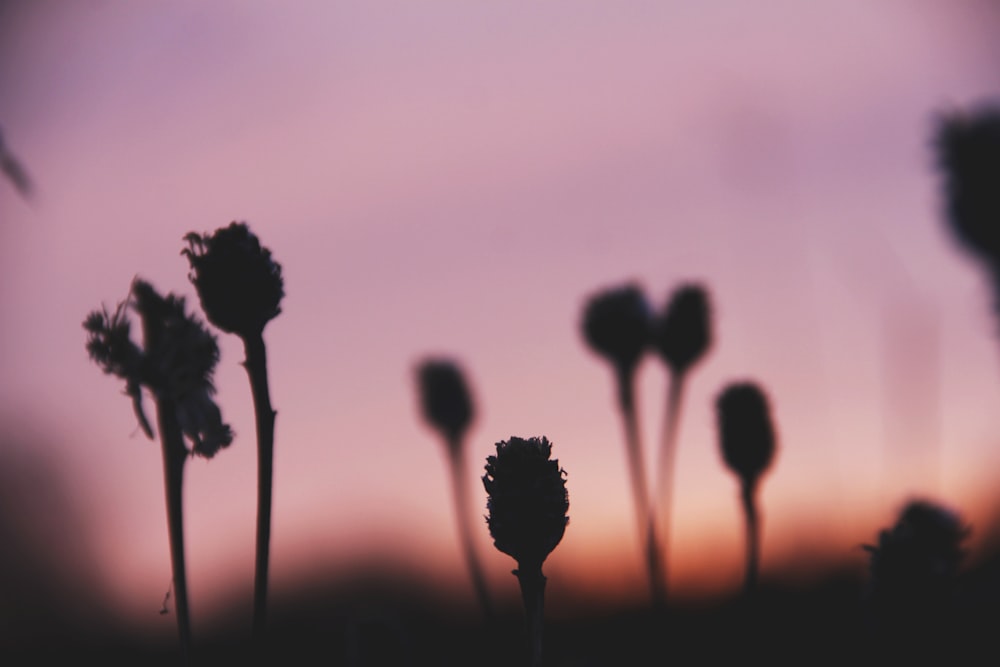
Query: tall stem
pixel 533 594
pixel 460 493
pixel 753 535
pixel 637 473
pixel 256 365
pixel 668 454
pixel 174 456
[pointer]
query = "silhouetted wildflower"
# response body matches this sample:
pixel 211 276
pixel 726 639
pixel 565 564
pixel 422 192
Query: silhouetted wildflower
pixel 445 399
pixel 527 499
pixel 241 288
pixel 682 333
pixel 176 364
pixel 747 440
pixel 968 151
pixel 913 574
pixel 616 324
pixel 526 505
pixel 239 285
pixel 446 404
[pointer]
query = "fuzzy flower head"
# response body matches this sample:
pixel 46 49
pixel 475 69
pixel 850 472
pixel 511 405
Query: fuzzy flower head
pixel 968 153
pixel 176 362
pixel 920 554
pixel 616 325
pixel 682 334
pixel 746 434
pixel 445 399
pixel 239 285
pixel 527 500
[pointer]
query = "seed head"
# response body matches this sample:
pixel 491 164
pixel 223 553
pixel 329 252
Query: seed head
pixel 444 398
pixel 527 500
pixel 616 325
pixel 239 285
pixel 682 333
pixel 746 434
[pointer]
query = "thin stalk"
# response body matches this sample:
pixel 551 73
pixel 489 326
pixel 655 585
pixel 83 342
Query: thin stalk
pixel 256 365
pixel 533 594
pixel 174 456
pixel 637 473
pixel 456 459
pixel 668 454
pixel 753 535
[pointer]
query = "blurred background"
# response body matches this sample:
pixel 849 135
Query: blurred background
pixel 455 178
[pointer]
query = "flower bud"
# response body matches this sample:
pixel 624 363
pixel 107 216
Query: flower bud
pixel 239 285
pixel 968 152
pixel 616 325
pixel 682 335
pixel 444 398
pixel 746 434
pixel 527 500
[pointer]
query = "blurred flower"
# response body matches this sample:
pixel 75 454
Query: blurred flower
pixel 239 285
pixel 177 362
pixel 968 152
pixel 681 335
pixel 746 434
pixel 616 324
pixel 445 399
pixel 527 500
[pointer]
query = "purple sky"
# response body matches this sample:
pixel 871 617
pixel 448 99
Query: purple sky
pixel 454 178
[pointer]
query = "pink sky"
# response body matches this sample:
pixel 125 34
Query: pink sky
pixel 455 178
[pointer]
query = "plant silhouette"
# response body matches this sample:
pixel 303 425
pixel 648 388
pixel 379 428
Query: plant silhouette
pixel 175 364
pixel 681 336
pixel 968 154
pixel 617 324
pixel 526 506
pixel 747 440
pixel 447 406
pixel 913 573
pixel 241 288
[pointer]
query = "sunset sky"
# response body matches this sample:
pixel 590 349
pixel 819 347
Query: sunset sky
pixel 455 178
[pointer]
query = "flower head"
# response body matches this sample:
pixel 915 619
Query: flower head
pixel 746 433
pixel 176 362
pixel 527 500
pixel 616 325
pixel 968 152
pixel 444 398
pixel 239 285
pixel 682 334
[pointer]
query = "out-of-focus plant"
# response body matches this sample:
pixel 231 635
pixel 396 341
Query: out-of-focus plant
pixel 526 513
pixel 913 571
pixel 968 154
pixel 240 287
pixel 681 335
pixel 617 324
pixel 15 171
pixel 175 363
pixel 447 406
pixel 747 439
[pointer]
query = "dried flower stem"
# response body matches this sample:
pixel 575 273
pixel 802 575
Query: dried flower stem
pixel 532 583
pixel 637 472
pixel 668 454
pixel 749 494
pixel 256 366
pixel 456 459
pixel 174 457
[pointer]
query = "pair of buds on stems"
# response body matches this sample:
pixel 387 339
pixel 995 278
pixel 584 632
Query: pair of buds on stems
pixel 619 325
pixel 240 288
